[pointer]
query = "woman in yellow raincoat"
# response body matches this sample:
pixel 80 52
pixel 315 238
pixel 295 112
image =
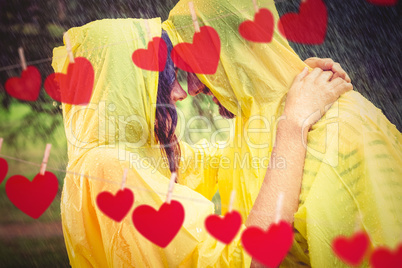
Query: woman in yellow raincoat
pixel 353 163
pixel 116 131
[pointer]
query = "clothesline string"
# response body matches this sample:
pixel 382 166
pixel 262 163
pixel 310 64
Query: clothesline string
pixel 44 60
pixel 118 184
pixel 100 179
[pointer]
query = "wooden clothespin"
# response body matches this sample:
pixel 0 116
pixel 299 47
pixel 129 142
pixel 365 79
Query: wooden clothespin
pixel 123 182
pixel 255 6
pixel 22 58
pixel 148 29
pixel 68 47
pixel 279 207
pixel 1 143
pixel 232 198
pixel 194 17
pixel 171 186
pixel 45 158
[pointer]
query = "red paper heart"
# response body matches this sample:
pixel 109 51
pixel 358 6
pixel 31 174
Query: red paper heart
pixel 261 29
pixel 351 250
pixel 268 247
pixel 27 87
pixel 3 169
pixel 76 86
pixel 384 258
pixel 383 2
pixel 307 27
pixel 153 58
pixel 202 56
pixel 32 198
pixel 116 206
pixel 224 229
pixel 159 227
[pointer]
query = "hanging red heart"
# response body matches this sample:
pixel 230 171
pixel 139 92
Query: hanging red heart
pixel 32 198
pixel 153 58
pixel 3 169
pixel 307 27
pixel 351 250
pixel 116 206
pixel 75 87
pixel 383 2
pixel 159 227
pixel 224 229
pixel 384 258
pixel 261 29
pixel 269 247
pixel 202 56
pixel 27 87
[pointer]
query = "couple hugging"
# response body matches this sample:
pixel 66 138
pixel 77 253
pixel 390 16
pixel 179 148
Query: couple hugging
pixel 341 167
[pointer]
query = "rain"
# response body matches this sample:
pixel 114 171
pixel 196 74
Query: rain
pixel 364 38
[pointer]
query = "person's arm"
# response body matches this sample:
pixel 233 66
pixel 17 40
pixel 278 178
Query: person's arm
pixel 309 93
pixel 327 64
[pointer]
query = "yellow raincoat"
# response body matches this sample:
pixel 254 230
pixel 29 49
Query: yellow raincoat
pixel 115 131
pixel 353 163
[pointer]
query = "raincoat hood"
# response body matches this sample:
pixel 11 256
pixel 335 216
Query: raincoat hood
pixel 252 76
pixel 121 111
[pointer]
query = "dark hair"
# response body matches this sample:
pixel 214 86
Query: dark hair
pixel 166 115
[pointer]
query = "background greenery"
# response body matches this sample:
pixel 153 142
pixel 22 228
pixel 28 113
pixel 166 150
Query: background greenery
pixel 363 37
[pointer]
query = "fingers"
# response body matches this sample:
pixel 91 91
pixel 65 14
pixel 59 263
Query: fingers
pixel 314 74
pixel 336 75
pixel 338 70
pixel 326 76
pixel 301 75
pixel 312 62
pixel 343 88
pixel 347 79
pixel 323 64
pixel 336 82
pixel 328 64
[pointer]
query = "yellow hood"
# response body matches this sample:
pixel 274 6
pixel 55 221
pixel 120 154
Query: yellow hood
pixel 121 112
pixel 255 76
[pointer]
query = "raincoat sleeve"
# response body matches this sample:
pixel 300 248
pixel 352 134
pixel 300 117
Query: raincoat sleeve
pixel 199 167
pixel 95 240
pixel 352 168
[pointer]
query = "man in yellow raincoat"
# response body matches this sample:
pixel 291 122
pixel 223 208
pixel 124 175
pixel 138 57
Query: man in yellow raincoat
pixel 352 174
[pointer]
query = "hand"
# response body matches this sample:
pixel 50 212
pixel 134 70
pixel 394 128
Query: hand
pixel 311 95
pixel 328 65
